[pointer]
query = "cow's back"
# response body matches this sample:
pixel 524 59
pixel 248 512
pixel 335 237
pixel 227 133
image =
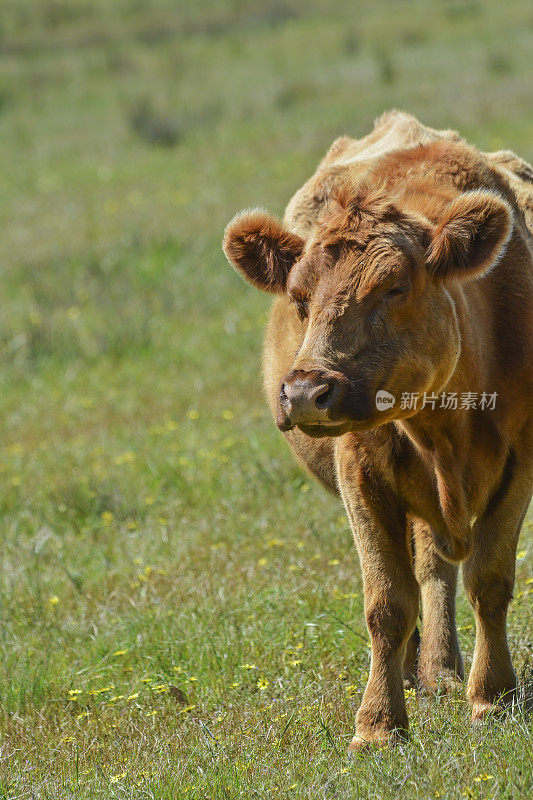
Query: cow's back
pixel 519 176
pixel 351 159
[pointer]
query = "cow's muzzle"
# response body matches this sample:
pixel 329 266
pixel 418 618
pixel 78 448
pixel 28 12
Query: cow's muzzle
pixel 309 399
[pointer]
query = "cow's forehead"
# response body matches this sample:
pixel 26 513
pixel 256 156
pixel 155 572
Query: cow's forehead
pixel 357 258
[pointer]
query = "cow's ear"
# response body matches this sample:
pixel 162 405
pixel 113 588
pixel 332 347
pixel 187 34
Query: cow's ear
pixel 471 236
pixel 261 250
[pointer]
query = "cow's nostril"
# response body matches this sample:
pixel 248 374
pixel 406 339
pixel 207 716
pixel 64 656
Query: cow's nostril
pixel 284 400
pixel 325 398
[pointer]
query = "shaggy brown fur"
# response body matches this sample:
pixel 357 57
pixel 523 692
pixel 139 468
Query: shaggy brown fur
pixel 405 264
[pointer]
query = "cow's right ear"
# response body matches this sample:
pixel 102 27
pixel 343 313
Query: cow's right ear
pixel 261 250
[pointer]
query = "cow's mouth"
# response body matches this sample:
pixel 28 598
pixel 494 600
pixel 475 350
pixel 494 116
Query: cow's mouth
pixel 319 430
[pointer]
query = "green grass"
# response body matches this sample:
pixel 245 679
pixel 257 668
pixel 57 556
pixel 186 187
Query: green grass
pixel 156 535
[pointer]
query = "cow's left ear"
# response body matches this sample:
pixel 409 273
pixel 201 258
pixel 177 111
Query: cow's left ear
pixel 261 250
pixel 471 237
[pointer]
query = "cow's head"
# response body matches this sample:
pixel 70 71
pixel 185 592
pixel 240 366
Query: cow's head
pixel 371 290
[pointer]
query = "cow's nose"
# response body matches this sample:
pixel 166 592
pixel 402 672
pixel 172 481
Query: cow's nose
pixel 308 397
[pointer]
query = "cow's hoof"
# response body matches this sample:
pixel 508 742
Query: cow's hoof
pixel 376 740
pixel 483 711
pixel 501 703
pixel 359 745
pixel 446 683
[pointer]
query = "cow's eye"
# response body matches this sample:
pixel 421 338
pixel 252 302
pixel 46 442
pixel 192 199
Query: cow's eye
pixel 302 307
pixel 396 291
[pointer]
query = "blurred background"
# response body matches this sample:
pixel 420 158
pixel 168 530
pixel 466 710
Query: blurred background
pixel 144 488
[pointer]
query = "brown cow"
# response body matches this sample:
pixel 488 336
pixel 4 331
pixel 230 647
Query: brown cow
pixel 397 364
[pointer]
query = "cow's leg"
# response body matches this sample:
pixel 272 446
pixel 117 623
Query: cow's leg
pixel 410 660
pixel 440 665
pixel 391 599
pixel 489 579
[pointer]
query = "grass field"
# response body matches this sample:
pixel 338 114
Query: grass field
pixel 180 610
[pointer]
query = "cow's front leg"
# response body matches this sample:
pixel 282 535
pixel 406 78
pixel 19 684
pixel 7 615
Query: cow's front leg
pixel 391 599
